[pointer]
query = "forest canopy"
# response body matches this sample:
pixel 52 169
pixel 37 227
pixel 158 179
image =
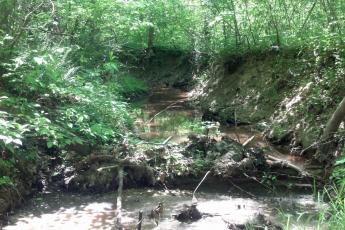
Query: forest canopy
pixel 207 26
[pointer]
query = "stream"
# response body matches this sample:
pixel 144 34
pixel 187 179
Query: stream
pixel 165 115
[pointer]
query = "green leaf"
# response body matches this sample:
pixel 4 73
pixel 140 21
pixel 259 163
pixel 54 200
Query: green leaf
pixel 50 144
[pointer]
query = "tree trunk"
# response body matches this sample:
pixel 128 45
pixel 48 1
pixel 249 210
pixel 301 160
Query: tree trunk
pixel 327 141
pixel 274 22
pixel 150 38
pixel 237 30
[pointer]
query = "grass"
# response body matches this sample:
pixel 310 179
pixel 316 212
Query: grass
pixel 334 215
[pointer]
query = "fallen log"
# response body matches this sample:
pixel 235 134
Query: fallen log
pixel 284 163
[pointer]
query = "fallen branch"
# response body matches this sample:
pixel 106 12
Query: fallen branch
pixel 259 182
pixel 165 109
pixel 194 200
pixel 166 140
pixel 287 164
pixel 151 143
pixel 107 167
pixel 241 189
pixel 248 141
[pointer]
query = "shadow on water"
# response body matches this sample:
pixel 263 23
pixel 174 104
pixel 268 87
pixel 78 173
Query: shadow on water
pixel 65 211
pixel 220 203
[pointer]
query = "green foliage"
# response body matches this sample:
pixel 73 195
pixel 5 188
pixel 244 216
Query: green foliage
pixel 202 165
pixel 338 173
pixel 5 181
pixel 11 132
pixel 62 81
pixel 333 215
pixel 6 167
pixel 269 179
pixel 130 86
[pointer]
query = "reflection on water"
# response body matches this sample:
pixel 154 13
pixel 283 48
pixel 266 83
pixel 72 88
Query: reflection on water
pixel 166 114
pixel 65 211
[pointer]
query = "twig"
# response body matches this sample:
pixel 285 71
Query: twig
pixel 259 182
pixel 166 140
pixel 107 167
pixel 316 144
pixel 25 22
pixel 194 200
pixel 151 143
pixel 165 109
pixel 238 187
pixel 53 7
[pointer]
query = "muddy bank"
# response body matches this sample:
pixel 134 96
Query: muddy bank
pixel 175 165
pixel 278 92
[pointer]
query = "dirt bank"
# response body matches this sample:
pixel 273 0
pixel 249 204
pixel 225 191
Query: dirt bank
pixel 289 95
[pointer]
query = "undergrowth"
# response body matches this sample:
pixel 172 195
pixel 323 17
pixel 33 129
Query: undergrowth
pixel 48 101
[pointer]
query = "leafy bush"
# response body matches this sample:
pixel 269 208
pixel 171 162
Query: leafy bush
pixel 5 181
pixel 338 174
pixel 60 104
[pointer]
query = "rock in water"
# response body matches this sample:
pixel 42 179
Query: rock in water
pixel 189 214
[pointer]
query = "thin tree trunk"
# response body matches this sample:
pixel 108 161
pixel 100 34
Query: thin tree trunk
pixel 225 34
pixel 308 15
pixel 332 126
pixel 207 35
pixel 237 30
pixel 150 38
pixel 274 24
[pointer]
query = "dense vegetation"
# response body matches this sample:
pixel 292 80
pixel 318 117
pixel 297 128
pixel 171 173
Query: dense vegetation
pixel 65 65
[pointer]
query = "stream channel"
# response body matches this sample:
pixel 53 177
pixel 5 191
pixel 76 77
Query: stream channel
pixel 166 114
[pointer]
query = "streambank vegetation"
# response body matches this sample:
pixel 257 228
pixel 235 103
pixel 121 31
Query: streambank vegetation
pixel 90 87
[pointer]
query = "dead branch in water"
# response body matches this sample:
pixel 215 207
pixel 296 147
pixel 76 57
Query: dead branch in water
pixel 194 200
pixel 165 109
pixel 285 163
pixel 166 141
pixel 241 189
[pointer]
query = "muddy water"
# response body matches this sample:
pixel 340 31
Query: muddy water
pixel 166 114
pixel 219 204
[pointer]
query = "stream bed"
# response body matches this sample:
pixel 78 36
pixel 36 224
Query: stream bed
pixel 166 116
pixel 220 204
